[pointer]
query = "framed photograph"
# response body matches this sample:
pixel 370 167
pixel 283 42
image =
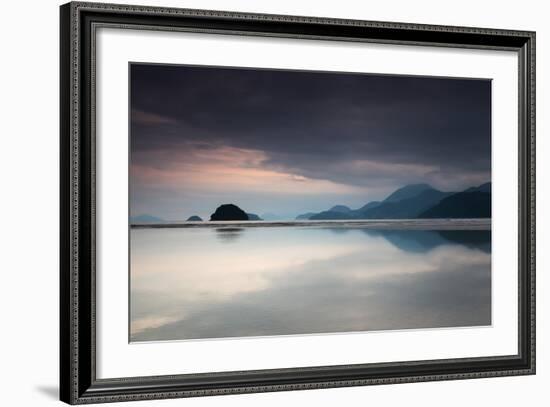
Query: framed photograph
pixel 255 203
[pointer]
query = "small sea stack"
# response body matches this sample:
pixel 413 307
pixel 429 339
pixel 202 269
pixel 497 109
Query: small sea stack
pixel 194 218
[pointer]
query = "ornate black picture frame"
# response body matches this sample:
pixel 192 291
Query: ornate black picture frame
pixel 78 382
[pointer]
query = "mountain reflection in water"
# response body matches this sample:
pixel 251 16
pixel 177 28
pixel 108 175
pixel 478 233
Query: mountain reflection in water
pixel 234 282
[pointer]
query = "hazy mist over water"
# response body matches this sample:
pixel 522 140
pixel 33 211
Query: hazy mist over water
pixel 191 283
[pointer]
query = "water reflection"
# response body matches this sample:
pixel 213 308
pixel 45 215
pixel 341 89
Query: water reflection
pixel 229 234
pixel 189 283
pixel 422 241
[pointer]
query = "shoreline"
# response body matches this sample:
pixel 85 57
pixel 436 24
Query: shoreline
pixel 413 224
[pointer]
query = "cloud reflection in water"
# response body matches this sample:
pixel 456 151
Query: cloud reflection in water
pixel 200 283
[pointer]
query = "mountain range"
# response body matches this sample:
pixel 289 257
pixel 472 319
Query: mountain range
pixel 145 219
pixel 416 201
pixel 409 202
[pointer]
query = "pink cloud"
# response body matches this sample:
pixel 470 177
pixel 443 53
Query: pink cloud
pixel 228 169
pixel 141 117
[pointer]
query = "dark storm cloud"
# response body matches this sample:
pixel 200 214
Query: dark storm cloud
pixel 353 129
pixel 310 121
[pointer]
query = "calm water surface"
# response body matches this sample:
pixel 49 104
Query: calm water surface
pixel 190 283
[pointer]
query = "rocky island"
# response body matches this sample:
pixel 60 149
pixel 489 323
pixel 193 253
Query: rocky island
pixel 194 218
pixel 228 212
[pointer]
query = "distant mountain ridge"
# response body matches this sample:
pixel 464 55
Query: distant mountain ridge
pixel 408 191
pixel 145 218
pixel 407 208
pixel 482 188
pixel 464 205
pixel 417 201
pixel 370 205
pixel 340 208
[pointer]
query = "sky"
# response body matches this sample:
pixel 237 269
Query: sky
pixel 289 142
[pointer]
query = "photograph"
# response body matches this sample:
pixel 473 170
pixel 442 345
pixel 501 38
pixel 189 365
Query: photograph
pixel 267 202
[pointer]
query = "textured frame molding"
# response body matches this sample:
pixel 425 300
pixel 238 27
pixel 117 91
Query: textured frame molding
pixel 78 382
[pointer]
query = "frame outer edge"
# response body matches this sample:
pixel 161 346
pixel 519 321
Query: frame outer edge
pixel 70 141
pixel 533 195
pixel 64 198
pixel 189 12
pixel 75 194
pixel 70 65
